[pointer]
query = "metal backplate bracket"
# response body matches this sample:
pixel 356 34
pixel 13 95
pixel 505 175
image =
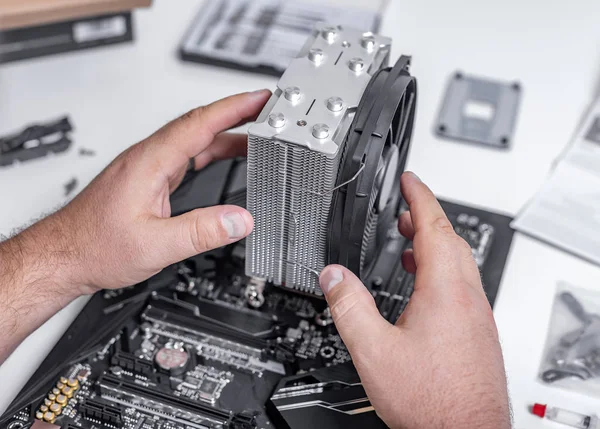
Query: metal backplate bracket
pixel 479 111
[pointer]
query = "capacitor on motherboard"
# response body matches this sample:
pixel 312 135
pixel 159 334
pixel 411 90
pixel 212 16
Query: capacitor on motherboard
pixel 61 399
pixel 327 352
pixel 67 391
pixel 172 360
pixel 39 415
pixel 324 318
pixel 49 417
pixel 55 408
pixel 73 383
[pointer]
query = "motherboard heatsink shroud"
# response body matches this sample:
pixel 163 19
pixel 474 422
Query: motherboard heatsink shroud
pixel 295 149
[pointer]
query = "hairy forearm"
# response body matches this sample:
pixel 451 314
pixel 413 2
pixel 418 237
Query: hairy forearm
pixel 35 280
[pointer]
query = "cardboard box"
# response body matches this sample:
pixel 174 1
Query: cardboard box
pixel 33 28
pixel 29 13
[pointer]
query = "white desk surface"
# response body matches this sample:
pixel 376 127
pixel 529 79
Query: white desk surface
pixel 118 95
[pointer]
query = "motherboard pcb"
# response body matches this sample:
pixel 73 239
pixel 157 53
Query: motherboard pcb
pixel 201 345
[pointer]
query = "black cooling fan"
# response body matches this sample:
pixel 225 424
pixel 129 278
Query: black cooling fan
pixel 368 198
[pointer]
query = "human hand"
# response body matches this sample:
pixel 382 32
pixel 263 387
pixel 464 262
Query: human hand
pixel 119 229
pixel 440 365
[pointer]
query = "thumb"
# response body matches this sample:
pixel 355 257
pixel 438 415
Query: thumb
pixel 201 230
pixel 353 309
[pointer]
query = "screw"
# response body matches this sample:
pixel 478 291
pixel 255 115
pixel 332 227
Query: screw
pixel 301 123
pixel 86 152
pixel 116 370
pixel 276 120
pixel 377 282
pixel 292 93
pixel 356 64
pixel 320 131
pixel 335 104
pixel 368 42
pixel 329 34
pixel 70 186
pixel 316 55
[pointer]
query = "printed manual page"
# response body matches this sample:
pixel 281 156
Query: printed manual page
pixel 566 211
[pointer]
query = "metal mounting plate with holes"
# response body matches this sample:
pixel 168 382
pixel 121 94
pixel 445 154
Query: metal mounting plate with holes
pixel 479 110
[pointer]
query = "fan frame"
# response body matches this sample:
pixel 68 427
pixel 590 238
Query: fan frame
pixel 391 91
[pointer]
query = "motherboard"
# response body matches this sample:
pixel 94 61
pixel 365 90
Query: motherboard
pixel 201 345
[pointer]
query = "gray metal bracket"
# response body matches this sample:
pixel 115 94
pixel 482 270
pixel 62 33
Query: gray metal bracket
pixel 479 110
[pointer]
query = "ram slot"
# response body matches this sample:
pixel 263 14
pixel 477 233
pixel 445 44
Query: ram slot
pixel 176 409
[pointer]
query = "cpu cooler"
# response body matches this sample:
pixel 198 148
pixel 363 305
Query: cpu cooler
pixel 325 158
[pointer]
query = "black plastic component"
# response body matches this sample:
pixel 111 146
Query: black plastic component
pixel 130 338
pixel 164 312
pixel 383 124
pixel 492 269
pixel 234 421
pixel 92 409
pixel 327 398
pixel 235 192
pixel 30 42
pixel 131 363
pixel 201 188
pixel 36 141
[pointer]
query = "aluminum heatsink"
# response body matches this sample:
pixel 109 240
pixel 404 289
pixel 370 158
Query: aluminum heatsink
pixel 295 149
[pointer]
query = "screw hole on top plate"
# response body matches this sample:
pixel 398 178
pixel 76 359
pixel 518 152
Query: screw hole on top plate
pixel 301 123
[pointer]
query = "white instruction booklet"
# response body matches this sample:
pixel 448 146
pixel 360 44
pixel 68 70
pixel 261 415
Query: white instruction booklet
pixel 566 211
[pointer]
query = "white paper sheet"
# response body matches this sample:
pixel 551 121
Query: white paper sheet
pixel 566 211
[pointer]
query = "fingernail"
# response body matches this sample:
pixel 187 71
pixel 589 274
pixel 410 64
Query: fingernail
pixel 259 93
pixel 235 225
pixel 414 176
pixel 329 278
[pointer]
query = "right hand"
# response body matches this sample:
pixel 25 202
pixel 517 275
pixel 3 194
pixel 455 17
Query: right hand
pixel 440 365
